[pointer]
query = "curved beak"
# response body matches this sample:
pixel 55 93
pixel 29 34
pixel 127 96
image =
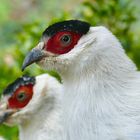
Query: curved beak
pixel 5 112
pixel 33 56
pixel 36 54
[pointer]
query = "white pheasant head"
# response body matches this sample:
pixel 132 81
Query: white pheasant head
pixel 30 99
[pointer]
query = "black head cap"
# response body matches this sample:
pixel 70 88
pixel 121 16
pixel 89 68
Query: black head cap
pixel 24 80
pixel 77 26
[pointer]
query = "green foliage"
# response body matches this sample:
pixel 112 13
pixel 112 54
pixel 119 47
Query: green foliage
pixel 18 39
pixel 9 133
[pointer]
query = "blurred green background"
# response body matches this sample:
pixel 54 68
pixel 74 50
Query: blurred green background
pixel 22 22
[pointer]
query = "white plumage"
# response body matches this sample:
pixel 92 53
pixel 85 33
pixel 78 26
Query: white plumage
pixel 101 88
pixel 1 138
pixel 39 120
pixel 102 91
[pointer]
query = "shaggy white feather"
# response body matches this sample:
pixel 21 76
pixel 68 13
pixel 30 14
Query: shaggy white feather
pixel 39 120
pixel 101 89
pixel 1 138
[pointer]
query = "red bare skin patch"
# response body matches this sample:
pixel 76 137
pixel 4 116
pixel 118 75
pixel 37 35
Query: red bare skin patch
pixel 62 42
pixel 21 97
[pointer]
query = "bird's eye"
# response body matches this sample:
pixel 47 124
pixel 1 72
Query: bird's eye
pixel 66 39
pixel 21 96
pixel 62 42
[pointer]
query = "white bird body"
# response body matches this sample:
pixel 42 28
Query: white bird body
pixel 101 90
pixel 102 95
pixel 101 87
pixel 43 127
pixel 44 124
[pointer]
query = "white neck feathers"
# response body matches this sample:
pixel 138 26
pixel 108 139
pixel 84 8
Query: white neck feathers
pixel 102 94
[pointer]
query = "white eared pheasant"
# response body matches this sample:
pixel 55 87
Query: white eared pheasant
pixel 33 103
pixel 101 84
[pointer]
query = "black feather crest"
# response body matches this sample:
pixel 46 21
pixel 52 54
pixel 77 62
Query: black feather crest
pixel 21 81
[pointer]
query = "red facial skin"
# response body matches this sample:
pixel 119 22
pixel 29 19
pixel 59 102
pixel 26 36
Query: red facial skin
pixel 55 44
pixel 13 101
